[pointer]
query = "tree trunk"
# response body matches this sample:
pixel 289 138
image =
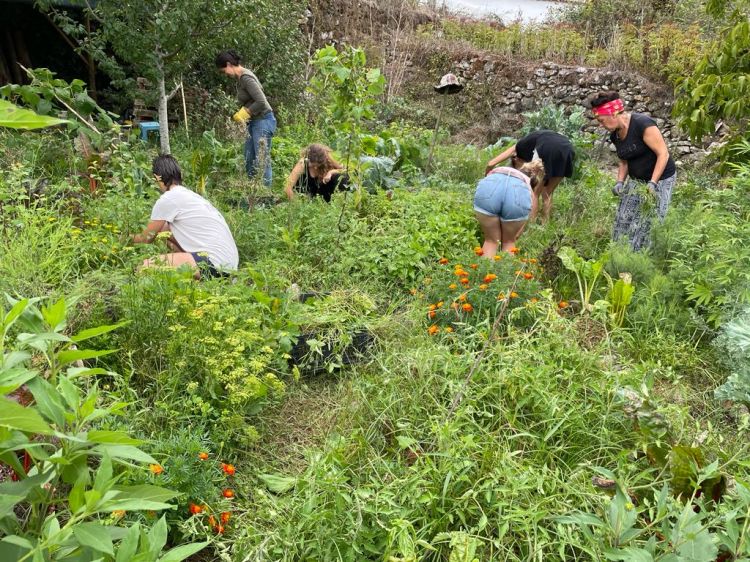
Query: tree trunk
pixel 163 115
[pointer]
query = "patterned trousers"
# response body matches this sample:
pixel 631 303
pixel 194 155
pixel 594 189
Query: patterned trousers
pixel 632 219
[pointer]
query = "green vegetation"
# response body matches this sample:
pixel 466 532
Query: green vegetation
pixel 367 386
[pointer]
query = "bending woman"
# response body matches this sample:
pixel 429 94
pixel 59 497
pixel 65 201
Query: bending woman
pixel 556 153
pixel 503 202
pixel 255 110
pixel 316 173
pixel 644 158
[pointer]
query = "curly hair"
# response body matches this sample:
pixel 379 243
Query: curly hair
pixel 320 155
pixel 225 58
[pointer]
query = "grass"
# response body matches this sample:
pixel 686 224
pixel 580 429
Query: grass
pixel 372 461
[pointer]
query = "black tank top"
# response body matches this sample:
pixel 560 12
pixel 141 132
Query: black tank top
pixel 640 158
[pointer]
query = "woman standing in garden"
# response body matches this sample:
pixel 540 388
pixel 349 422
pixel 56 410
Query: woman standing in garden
pixel 255 110
pixel 503 202
pixel 644 159
pixel 316 173
pixel 556 153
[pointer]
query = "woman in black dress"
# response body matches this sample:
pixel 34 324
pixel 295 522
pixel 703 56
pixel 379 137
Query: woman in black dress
pixel 646 171
pixel 316 174
pixel 556 153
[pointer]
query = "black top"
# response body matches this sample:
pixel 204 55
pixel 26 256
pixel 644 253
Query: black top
pixel 555 150
pixel 314 187
pixel 640 158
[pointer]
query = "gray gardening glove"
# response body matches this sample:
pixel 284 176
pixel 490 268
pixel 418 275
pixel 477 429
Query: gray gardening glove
pixel 617 188
pixel 652 185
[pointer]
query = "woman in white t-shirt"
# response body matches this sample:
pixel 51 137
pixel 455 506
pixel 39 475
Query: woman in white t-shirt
pixel 200 236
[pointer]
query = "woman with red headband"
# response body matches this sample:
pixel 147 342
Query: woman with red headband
pixel 644 159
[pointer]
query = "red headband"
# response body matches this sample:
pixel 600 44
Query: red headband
pixel 609 108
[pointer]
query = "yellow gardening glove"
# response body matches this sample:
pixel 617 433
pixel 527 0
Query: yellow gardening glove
pixel 242 115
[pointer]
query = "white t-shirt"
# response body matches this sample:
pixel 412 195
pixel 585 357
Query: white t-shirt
pixel 197 226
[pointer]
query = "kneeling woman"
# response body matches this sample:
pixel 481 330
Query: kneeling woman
pixel 316 173
pixel 503 202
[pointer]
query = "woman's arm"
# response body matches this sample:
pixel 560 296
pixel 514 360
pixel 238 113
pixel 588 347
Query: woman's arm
pixel 293 178
pixel 622 170
pixel 655 141
pixel 149 233
pixel 502 157
pixel 330 173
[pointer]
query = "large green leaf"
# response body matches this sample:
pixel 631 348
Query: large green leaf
pixel 182 552
pixel 71 355
pixel 98 331
pixel 15 416
pixel 112 437
pixel 126 452
pixel 14 117
pixel 95 536
pixel 137 498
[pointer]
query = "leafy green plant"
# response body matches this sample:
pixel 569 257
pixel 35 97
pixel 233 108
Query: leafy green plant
pixel 620 296
pixel 351 90
pixel 14 117
pixel 50 96
pixel 68 475
pixel 734 340
pixel 587 273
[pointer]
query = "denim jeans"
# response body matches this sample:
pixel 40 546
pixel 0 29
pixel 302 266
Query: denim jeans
pixel 258 145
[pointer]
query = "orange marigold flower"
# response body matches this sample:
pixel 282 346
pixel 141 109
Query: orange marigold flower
pixel 467 307
pixel 219 529
pixel 225 516
pixel 203 456
pixel 563 304
pixel 156 468
pixel 532 260
pixel 483 287
pixel 431 314
pixel 460 272
pixel 432 330
pixel 513 295
pixel 462 297
pixel 534 300
pixel 478 251
pixel 443 261
pixel 228 468
pixel 489 277
pixel 501 296
pixel 464 280
pixel 432 307
pixel 453 286
pixel 440 304
pixel 474 266
pixel 497 257
pixel 514 250
pixel 118 513
pixel 528 275
pixel 212 520
pixel 448 329
pixel 228 493
pixel 195 509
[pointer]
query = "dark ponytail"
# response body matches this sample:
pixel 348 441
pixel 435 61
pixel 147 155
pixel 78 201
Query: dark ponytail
pixel 225 58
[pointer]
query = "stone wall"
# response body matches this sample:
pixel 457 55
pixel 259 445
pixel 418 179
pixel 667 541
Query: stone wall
pixel 528 88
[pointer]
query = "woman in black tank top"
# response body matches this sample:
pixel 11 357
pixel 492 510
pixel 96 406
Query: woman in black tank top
pixel 646 170
pixel 316 174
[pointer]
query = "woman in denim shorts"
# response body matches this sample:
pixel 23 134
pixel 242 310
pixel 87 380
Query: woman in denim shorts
pixel 503 201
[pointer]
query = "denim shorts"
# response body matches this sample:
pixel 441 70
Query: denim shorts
pixel 503 196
